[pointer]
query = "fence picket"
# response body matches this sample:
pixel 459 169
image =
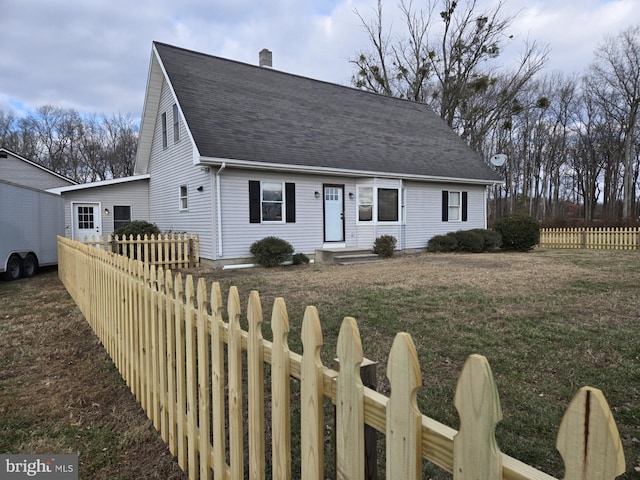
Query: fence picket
pixel 280 392
pixel 234 353
pixel 171 361
pixel 217 382
pixel 204 413
pixel 311 396
pixel 192 380
pixel 255 386
pixel 475 451
pixel 155 374
pixel 349 404
pixel 588 439
pixel 163 363
pixel 181 395
pixel 404 420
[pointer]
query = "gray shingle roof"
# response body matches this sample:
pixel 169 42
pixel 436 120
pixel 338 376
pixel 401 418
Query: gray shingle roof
pixel 244 112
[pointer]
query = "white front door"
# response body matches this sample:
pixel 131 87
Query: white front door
pixel 334 213
pixel 86 221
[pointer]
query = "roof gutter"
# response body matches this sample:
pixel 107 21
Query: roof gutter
pixel 219 207
pixel 339 171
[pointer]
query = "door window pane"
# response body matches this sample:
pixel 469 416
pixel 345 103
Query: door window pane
pixel 85 218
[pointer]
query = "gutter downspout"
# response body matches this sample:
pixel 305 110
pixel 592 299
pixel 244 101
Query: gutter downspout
pixel 219 208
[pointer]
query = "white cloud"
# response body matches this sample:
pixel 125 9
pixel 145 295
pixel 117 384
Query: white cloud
pixel 93 55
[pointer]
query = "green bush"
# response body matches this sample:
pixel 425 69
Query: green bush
pixel 443 243
pixel 299 259
pixel 131 230
pixel 492 239
pixel 519 232
pixel 271 251
pixel 384 246
pixel 135 228
pixel 469 241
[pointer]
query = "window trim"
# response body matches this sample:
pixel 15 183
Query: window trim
pixel 176 124
pixel 115 226
pixel 164 130
pixel 463 207
pixel 256 201
pixel 281 202
pixel 375 205
pixel 183 200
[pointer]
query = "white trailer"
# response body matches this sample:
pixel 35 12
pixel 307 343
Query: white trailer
pixel 30 222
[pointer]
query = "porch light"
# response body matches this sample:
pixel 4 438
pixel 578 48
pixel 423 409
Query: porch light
pixel 317 194
pixel 106 211
pixel 351 195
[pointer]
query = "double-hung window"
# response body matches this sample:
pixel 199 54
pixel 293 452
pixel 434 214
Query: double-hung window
pixel 183 198
pixel 272 202
pixel 378 204
pixel 454 206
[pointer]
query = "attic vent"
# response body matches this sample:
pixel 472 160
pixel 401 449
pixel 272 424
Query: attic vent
pixel 3 155
pixel 265 58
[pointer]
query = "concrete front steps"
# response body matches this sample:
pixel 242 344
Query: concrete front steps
pixel 346 256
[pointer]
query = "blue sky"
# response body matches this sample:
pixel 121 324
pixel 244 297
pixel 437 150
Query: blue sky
pixel 93 55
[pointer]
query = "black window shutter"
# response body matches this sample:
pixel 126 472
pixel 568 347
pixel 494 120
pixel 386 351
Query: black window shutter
pixel 290 199
pixel 445 205
pixel 464 206
pixel 254 201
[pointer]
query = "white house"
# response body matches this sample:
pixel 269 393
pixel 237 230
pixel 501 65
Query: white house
pixel 236 152
pixel 21 171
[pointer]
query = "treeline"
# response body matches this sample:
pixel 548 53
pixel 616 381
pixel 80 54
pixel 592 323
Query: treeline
pixel 82 148
pixel 573 142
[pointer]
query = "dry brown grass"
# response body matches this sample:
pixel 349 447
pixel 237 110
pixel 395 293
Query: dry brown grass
pixel 60 393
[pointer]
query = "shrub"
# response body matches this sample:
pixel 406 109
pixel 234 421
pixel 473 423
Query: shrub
pixel 132 230
pixel 135 228
pixel 299 259
pixel 384 246
pixel 519 232
pixel 469 241
pixel 271 251
pixel 442 243
pixel 492 239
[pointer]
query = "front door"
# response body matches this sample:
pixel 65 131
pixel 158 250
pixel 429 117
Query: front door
pixel 86 220
pixel 333 213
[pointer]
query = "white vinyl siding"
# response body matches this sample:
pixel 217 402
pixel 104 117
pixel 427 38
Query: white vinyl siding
pixel 133 194
pixel 423 211
pixel 171 167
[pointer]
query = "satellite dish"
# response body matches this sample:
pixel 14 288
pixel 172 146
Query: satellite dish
pixel 498 159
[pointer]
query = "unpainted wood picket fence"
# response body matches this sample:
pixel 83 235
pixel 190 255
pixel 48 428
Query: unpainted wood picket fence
pixel 599 238
pixel 168 338
pixel 169 250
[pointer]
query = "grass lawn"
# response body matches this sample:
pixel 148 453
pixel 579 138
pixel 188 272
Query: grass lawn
pixel 549 322
pixel 60 393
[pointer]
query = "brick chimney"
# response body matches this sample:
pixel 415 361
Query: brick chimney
pixel 265 58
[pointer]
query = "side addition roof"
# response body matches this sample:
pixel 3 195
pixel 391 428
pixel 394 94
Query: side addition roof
pixel 254 116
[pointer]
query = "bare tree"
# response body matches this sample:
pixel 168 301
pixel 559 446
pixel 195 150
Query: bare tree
pixel 448 66
pixel 614 78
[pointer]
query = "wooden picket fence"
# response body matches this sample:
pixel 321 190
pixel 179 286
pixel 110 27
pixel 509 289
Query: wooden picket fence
pixel 171 250
pixel 169 340
pixel 610 238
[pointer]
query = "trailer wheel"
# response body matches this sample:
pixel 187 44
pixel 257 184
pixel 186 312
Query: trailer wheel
pixel 30 265
pixel 14 268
